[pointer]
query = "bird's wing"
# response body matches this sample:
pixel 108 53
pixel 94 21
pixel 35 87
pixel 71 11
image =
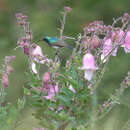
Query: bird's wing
pixel 58 44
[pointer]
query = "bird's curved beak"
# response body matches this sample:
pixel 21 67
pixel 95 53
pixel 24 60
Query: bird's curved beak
pixel 39 40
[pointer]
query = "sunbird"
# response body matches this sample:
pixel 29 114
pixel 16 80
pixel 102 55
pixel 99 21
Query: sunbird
pixel 55 42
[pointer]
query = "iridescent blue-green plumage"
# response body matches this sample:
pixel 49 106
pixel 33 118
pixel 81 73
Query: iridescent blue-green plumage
pixel 55 42
pixel 51 40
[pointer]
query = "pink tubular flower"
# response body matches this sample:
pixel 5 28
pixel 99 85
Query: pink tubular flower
pixel 119 37
pixel 127 43
pixel 46 77
pixel 89 66
pixel 52 90
pixel 5 81
pixel 45 81
pixel 37 54
pixel 107 48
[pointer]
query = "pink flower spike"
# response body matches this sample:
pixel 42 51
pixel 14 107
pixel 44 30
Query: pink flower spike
pixel 107 47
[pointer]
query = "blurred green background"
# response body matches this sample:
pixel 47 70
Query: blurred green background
pixel 44 17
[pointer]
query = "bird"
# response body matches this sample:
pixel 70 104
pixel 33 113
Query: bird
pixel 55 42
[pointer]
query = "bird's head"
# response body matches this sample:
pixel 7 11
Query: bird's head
pixel 43 39
pixel 49 40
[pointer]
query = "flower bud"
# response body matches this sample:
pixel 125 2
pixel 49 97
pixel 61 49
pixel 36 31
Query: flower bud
pixel 67 9
pixel 95 42
pixel 19 15
pixel 24 17
pixel 113 35
pixel 126 17
pixel 26 48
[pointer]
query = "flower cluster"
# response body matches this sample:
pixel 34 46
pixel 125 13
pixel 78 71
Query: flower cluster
pixel 32 50
pixel 104 41
pixel 61 93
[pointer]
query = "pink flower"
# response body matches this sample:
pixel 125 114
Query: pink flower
pixel 46 77
pixel 26 49
pixel 89 66
pixel 127 43
pixel 37 54
pixel 5 81
pixel 51 92
pixel 119 37
pixel 107 48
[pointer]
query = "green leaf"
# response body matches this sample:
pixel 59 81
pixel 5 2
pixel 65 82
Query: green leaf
pixel 64 100
pixel 26 91
pixel 66 91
